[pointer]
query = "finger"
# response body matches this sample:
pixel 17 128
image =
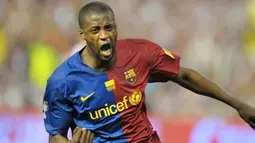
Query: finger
pixel 77 135
pixel 83 138
pixel 88 136
pixel 91 138
pixel 76 129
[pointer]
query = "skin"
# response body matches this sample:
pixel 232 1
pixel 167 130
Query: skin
pixel 100 29
pixel 195 82
pixel 80 135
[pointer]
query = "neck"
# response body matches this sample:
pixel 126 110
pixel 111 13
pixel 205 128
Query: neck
pixel 92 61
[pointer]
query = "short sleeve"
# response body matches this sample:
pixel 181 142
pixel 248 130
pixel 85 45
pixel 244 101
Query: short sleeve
pixel 57 110
pixel 164 65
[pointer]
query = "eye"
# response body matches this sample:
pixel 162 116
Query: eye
pixel 108 27
pixel 94 30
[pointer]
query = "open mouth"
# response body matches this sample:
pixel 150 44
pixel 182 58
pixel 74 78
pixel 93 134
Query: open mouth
pixel 105 47
pixel 106 50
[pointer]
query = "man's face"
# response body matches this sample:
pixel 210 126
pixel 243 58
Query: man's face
pixel 100 33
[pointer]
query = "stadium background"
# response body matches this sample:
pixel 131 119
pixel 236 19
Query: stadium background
pixel 214 37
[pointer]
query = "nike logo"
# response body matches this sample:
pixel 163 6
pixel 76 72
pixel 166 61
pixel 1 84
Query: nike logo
pixel 87 97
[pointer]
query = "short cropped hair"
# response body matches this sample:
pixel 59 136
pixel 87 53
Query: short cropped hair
pixel 93 7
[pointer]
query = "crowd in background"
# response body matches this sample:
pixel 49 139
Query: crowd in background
pixel 216 38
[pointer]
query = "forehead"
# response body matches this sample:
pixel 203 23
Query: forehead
pixel 98 18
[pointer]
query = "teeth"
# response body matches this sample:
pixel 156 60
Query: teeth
pixel 107 52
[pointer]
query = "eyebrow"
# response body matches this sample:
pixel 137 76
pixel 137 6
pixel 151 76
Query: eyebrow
pixel 94 24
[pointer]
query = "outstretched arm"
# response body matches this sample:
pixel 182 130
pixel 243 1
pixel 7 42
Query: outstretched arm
pixel 165 66
pixel 195 82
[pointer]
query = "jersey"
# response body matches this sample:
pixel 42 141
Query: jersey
pixel 110 104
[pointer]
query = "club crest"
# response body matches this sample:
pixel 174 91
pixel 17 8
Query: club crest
pixel 130 76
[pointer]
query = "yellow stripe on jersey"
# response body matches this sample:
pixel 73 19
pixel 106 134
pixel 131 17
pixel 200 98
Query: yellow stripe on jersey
pixel 110 85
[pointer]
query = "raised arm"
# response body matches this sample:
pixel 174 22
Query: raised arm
pixel 195 82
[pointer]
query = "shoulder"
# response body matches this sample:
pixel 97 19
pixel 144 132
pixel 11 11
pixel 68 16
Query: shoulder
pixel 136 50
pixel 63 70
pixel 59 78
pixel 137 45
pixel 134 42
pixel 57 89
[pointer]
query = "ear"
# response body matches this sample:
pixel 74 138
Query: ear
pixel 81 33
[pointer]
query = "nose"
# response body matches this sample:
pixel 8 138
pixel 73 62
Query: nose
pixel 104 36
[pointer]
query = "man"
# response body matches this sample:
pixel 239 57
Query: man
pixel 101 87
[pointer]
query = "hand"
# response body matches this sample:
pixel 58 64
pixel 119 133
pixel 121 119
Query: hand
pixel 248 114
pixel 81 135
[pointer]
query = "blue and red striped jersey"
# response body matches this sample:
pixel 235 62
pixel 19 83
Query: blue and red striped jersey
pixel 110 104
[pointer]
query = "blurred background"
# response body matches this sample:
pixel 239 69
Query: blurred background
pixel 214 37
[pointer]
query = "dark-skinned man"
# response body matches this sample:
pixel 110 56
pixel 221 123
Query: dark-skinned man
pixel 101 87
